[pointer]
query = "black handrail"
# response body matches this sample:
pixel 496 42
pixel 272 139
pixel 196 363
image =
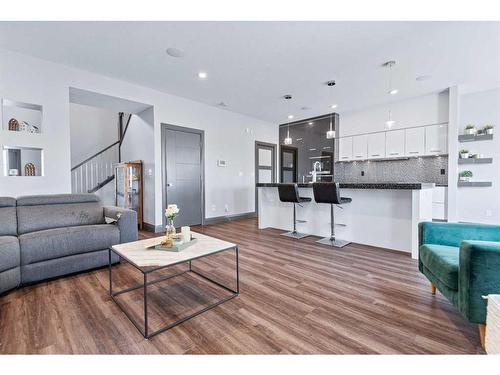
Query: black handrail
pixel 102 184
pixel 96 154
pixel 125 131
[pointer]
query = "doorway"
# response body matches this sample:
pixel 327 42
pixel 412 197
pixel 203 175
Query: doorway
pixel 183 173
pixel 265 165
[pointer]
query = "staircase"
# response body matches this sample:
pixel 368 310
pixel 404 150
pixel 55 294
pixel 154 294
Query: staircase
pixel 98 170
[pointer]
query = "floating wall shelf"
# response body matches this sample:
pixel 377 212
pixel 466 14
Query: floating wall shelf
pixel 475 160
pixel 474 184
pixel 474 137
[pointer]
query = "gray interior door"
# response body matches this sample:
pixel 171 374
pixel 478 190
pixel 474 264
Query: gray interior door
pixel 183 152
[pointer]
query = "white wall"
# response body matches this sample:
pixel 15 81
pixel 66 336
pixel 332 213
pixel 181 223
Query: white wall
pixel 423 110
pixel 32 80
pixel 138 144
pixel 91 130
pixel 481 205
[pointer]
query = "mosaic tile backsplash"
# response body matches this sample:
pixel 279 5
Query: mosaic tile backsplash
pixel 427 169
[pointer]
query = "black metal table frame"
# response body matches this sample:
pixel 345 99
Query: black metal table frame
pixel 147 335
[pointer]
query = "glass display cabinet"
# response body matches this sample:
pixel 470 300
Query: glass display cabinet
pixel 128 187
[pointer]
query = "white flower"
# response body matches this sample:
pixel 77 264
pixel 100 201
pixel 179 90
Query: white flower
pixel 171 211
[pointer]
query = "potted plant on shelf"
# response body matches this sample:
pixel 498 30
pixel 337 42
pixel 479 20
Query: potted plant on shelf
pixel 465 176
pixel 464 154
pixel 488 129
pixel 470 129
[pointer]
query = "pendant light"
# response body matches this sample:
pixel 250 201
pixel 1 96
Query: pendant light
pixel 390 122
pixel 392 91
pixel 330 134
pixel 288 139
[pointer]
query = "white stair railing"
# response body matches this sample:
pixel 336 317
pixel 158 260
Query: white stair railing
pixel 95 171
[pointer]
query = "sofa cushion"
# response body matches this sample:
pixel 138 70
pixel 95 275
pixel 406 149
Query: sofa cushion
pixel 442 261
pixel 8 217
pixel 36 213
pixel 61 242
pixel 9 253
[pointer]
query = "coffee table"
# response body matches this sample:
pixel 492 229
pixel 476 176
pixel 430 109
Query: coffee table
pixel 146 260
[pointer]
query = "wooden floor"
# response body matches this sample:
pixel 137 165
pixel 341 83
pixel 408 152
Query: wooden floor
pixel 296 297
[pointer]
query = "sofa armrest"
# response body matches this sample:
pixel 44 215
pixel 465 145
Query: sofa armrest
pixel 479 275
pixel 126 221
pixel 452 234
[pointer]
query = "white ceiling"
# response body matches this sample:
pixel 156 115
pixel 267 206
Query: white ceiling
pixel 251 65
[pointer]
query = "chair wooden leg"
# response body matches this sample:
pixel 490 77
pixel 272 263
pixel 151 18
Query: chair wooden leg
pixel 433 289
pixel 482 334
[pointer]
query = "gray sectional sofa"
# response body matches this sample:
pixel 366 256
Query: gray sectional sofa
pixel 47 236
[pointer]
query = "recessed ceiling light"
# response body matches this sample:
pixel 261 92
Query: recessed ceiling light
pixel 393 91
pixel 333 106
pixel 202 75
pixel 175 52
pixel 423 77
pixel 290 117
pixel 310 123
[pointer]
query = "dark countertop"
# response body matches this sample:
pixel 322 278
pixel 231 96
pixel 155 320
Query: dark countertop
pixel 374 186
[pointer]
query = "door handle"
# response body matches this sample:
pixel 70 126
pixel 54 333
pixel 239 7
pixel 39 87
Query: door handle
pixel 169 185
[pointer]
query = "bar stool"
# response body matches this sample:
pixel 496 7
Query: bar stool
pixel 329 192
pixel 290 193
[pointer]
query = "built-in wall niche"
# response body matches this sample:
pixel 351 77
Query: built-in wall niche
pixel 21 117
pixel 22 161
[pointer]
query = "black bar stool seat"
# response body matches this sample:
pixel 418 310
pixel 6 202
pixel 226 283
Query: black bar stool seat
pixel 329 192
pixel 290 193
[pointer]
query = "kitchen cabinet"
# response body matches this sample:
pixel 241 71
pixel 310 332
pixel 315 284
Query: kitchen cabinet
pixel 345 149
pixel 415 141
pixel 360 147
pixel 436 139
pixel 395 143
pixel 439 205
pixel 376 145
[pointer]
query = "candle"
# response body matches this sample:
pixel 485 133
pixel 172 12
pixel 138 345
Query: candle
pixel 186 234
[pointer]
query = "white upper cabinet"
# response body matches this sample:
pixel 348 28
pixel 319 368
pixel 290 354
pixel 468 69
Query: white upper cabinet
pixel 360 147
pixel 376 145
pixel 415 141
pixel 395 143
pixel 436 139
pixel 345 149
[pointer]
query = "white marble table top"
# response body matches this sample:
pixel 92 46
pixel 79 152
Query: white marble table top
pixel 139 253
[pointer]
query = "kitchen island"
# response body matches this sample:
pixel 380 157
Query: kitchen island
pixel 381 214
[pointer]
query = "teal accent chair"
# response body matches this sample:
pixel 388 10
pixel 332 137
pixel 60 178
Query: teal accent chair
pixel 463 262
